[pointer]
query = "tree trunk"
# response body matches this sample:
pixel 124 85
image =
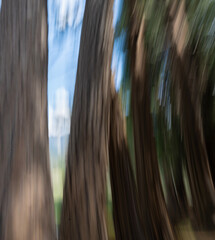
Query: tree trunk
pixel 26 201
pixel 190 82
pixel 84 198
pixel 201 185
pixel 155 219
pixel 124 193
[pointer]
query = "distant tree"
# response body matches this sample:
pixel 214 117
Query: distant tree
pixel 26 201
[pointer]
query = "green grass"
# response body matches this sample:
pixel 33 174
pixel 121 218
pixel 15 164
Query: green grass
pixel 57 174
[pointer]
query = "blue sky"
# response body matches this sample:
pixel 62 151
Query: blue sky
pixel 65 21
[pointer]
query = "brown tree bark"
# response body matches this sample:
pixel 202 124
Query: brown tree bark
pixel 124 193
pixel 84 199
pixel 188 84
pixel 155 220
pixel 26 201
pixel 201 185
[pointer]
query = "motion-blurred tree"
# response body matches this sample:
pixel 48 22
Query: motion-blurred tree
pixel 26 202
pixel 84 197
pixel 126 212
pixel 190 75
pixel 154 216
pixel 186 35
pixel 177 34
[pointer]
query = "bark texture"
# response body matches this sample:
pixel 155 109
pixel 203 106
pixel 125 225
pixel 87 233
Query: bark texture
pixel 84 199
pixel 26 201
pixel 201 185
pixel 124 193
pixel 155 220
pixel 188 83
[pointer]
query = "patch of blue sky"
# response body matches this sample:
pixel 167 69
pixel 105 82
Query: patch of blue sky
pixel 118 60
pixel 117 9
pixel 63 61
pixel 63 42
pixel 65 22
pixel 118 57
